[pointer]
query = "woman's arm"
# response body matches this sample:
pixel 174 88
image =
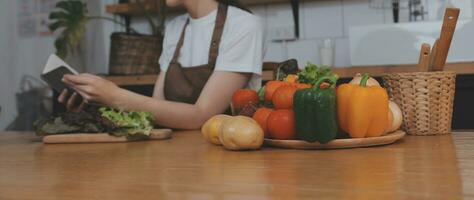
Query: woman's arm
pixel 214 98
pixel 158 92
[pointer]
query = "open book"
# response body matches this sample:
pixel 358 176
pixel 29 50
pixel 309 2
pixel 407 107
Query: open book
pixel 54 71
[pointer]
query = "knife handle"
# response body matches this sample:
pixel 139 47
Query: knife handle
pixel 434 50
pixel 424 60
pixel 447 31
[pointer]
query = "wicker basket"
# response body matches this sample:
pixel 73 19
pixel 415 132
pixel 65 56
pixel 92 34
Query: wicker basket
pixel 134 54
pixel 425 98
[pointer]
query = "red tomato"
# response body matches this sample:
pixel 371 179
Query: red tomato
pixel 242 97
pixel 283 97
pixel 281 124
pixel 271 87
pixel 261 116
pixel 324 85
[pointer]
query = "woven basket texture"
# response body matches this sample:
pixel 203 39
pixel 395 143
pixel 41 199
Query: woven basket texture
pixel 134 54
pixel 425 98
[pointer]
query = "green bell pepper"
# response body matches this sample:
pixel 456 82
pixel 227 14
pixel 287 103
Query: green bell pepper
pixel 315 112
pixel 261 94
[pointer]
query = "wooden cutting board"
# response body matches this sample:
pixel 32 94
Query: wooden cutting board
pixel 156 134
pixel 338 143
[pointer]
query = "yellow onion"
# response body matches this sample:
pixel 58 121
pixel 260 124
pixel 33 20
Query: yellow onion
pixel 395 117
pixel 370 82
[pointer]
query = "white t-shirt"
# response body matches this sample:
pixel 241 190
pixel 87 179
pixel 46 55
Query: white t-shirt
pixel 241 48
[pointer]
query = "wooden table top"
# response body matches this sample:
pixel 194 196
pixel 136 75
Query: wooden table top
pixel 186 167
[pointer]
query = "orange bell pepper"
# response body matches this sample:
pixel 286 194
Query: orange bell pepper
pixel 362 110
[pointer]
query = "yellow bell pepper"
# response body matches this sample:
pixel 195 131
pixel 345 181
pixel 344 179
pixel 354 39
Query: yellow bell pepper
pixel 362 110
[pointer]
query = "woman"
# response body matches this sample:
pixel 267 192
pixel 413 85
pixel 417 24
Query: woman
pixel 208 53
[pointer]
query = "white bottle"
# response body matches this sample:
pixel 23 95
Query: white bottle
pixel 326 52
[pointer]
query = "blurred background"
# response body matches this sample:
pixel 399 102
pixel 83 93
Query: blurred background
pixel 339 33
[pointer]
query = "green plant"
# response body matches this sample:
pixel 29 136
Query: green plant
pixel 71 16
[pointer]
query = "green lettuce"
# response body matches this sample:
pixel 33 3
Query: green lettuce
pixel 312 73
pixel 129 123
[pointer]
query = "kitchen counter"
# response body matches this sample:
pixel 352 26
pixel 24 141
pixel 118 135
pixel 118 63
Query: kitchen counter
pixel 186 167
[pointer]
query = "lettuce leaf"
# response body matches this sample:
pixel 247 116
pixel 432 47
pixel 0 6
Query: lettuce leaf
pixel 312 73
pixel 129 123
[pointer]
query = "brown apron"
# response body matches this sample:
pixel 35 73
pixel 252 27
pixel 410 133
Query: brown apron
pixel 185 84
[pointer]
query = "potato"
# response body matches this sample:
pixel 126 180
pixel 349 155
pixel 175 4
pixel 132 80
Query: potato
pixel 241 133
pixel 210 129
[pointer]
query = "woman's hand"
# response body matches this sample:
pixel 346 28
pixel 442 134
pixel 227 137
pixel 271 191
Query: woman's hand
pixel 92 89
pixel 72 101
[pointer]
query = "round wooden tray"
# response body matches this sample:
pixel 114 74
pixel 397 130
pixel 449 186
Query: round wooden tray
pixel 338 143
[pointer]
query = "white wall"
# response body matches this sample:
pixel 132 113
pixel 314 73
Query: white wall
pixel 6 100
pixel 98 37
pixel 19 56
pixel 27 56
pixel 319 20
pixel 393 44
pixel 332 19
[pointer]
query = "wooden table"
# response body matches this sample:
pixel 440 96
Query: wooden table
pixel 186 167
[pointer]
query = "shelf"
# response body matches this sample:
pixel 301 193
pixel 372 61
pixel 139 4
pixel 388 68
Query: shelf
pixel 150 79
pixel 459 68
pixel 133 80
pixel 347 72
pixel 134 9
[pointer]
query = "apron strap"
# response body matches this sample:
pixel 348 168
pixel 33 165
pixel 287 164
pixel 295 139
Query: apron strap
pixel 180 43
pixel 216 37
